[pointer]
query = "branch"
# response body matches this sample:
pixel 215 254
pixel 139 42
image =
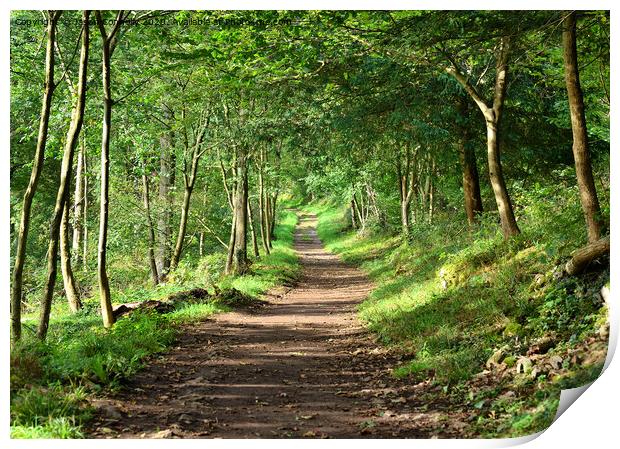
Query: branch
pixel 471 90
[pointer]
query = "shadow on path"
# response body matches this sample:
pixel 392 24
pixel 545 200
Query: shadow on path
pixel 302 366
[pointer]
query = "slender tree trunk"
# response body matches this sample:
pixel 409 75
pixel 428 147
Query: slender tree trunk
pixel 261 205
pixel 581 152
pixel 189 180
pixel 178 247
pixel 151 229
pixel 37 167
pixel 85 212
pixel 252 232
pixel 78 205
pixel 104 284
pixel 240 255
pixel 431 193
pixel 231 244
pixel 272 218
pixel 358 212
pixel 496 175
pixel 201 239
pixel 71 290
pixel 62 196
pixel 164 250
pixel 353 221
pixel 471 178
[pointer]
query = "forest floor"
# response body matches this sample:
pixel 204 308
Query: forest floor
pixel 300 366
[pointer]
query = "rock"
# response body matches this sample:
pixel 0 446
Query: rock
pixel 555 362
pixel 167 433
pixel 542 346
pixel 524 365
pixel 497 357
pixel 510 361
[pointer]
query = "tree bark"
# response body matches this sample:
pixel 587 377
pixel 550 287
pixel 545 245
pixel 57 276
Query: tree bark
pixel 85 211
pixel 104 284
pixel 262 204
pixel 164 230
pixel 581 152
pixel 240 254
pixel 62 196
pixel 231 244
pixel 151 229
pixel 492 116
pixel 272 218
pixel 471 179
pixel 71 290
pixel 78 205
pixel 582 257
pixel 37 167
pixel 252 231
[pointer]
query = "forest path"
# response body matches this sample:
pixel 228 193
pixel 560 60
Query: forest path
pixel 302 366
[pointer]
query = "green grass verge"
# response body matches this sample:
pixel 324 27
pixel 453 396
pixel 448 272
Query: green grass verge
pixel 51 380
pixel 450 297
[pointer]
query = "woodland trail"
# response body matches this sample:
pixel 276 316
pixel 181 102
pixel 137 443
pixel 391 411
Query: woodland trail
pixel 301 366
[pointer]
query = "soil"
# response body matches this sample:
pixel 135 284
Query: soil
pixel 301 366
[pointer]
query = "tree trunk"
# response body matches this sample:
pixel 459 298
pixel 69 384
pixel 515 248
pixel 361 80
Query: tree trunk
pixel 151 229
pixel 62 196
pixel 431 194
pixel 582 257
pixel 240 254
pixel 189 180
pixel 104 284
pixel 272 218
pixel 252 231
pixel 201 238
pixel 78 205
pixel 581 153
pixel 178 247
pixel 164 230
pixel 71 290
pixel 358 212
pixel 504 206
pixel 353 221
pixel 231 244
pixel 37 167
pixel 471 179
pixel 85 211
pixel 262 204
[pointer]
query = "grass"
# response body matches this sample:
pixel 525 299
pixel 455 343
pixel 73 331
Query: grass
pixel 51 380
pixel 450 297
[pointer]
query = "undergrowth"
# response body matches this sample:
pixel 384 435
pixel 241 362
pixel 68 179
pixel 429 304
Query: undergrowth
pixel 51 380
pixel 449 296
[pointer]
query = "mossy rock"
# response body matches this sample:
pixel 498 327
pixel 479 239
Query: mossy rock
pixel 510 361
pixel 513 329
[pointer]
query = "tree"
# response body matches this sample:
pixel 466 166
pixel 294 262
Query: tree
pixel 581 153
pixel 37 167
pixel 492 116
pixel 62 196
pixel 108 44
pixel 191 158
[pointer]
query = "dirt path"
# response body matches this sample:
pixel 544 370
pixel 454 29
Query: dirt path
pixel 302 366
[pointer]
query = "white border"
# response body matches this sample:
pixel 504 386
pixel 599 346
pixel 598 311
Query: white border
pixel 590 422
